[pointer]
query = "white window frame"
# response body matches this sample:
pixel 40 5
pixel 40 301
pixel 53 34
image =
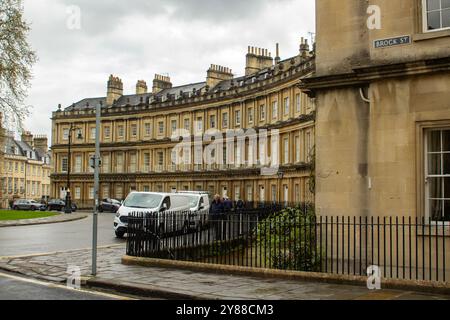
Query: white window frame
pixel 199 124
pixel 286 151
pixel 92 133
pixel 173 126
pixel 225 120
pixel 237 117
pixel 425 19
pixel 107 132
pixel 287 106
pixel 134 130
pixel 64 159
pixel 77 193
pixel 147 129
pixel 430 176
pixel 212 121
pixel 187 124
pixel 133 163
pixel 105 163
pixel 262 112
pixel 78 163
pixel 65 134
pixel 274 110
pixel 298 103
pixel 250 115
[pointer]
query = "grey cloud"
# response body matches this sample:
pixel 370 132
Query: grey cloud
pixel 135 39
pixel 103 16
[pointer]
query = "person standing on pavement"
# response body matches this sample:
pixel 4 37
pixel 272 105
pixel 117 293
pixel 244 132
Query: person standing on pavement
pixel 217 212
pixel 228 205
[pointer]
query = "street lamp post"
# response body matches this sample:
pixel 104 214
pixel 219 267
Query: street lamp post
pixel 68 208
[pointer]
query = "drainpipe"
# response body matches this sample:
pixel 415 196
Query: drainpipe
pixel 363 97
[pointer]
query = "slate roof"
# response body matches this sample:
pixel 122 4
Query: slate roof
pixel 186 90
pixel 20 148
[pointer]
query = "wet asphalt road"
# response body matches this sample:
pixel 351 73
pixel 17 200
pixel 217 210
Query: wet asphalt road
pixel 56 237
pixel 14 288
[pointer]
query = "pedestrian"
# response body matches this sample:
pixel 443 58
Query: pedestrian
pixel 240 205
pixel 217 207
pixel 228 205
pixel 217 211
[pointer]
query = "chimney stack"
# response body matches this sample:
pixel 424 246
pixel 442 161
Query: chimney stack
pixel 115 90
pixel 41 143
pixel 141 87
pixel 304 48
pixel 27 137
pixel 217 74
pixel 277 58
pixel 257 60
pixel 161 83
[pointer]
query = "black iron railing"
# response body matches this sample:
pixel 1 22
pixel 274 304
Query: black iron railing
pixel 296 239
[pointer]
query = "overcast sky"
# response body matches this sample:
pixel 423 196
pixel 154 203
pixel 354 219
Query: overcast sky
pixel 136 39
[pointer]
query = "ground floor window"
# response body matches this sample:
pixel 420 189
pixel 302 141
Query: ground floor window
pixel 77 193
pixel 91 193
pixel 119 193
pixel 105 192
pixel 437 172
pixel 249 193
pixel 274 193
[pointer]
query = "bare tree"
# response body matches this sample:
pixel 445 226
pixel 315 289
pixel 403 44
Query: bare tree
pixel 16 61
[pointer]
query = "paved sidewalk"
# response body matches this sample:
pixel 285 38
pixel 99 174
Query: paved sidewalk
pixel 54 219
pixel 188 284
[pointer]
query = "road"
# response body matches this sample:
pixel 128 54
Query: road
pixel 56 237
pixel 16 288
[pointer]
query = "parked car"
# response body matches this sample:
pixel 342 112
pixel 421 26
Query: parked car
pixel 28 205
pixel 164 204
pixel 59 205
pixel 109 205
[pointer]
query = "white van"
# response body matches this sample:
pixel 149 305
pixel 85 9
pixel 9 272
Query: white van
pixel 164 204
pixel 199 206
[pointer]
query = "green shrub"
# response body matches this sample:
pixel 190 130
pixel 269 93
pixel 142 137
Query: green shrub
pixel 289 239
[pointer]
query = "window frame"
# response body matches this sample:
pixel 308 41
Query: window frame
pixel 262 112
pixel 427 175
pixel 424 12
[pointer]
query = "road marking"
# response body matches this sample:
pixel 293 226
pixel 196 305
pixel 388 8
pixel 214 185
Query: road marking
pixel 53 285
pixel 31 255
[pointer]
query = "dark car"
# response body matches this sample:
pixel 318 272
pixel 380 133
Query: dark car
pixel 109 205
pixel 27 205
pixel 59 205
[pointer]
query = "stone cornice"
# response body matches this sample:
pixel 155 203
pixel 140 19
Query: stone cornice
pixel 203 174
pixel 366 74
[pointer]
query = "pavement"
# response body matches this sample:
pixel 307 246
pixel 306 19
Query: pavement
pixel 46 252
pixel 48 220
pixel 183 284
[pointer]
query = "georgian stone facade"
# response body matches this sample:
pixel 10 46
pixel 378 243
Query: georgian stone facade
pixel 136 131
pixel 25 168
pixel 383 113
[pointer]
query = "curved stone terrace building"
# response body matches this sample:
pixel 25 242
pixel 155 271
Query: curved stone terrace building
pixel 140 144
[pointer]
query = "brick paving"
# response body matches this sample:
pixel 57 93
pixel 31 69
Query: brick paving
pixel 53 267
